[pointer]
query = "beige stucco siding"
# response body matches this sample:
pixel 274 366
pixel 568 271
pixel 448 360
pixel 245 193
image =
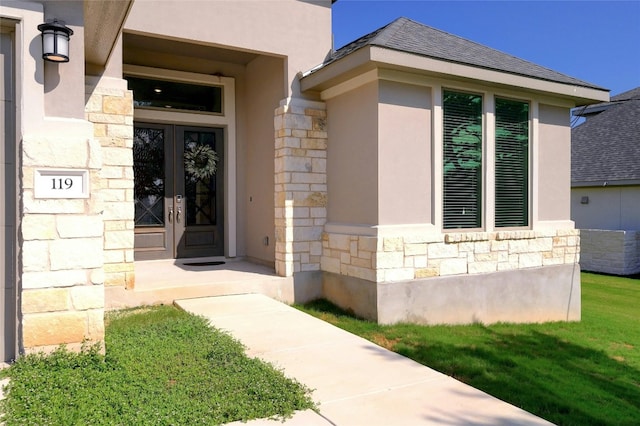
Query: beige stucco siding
pixel 263 75
pixel 352 156
pixel 298 30
pixel 554 173
pixel 404 180
pixel 62 91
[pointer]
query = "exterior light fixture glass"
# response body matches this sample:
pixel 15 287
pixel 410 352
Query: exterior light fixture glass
pixel 55 41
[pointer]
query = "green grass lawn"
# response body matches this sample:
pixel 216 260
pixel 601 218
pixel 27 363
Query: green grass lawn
pixel 585 373
pixel 162 366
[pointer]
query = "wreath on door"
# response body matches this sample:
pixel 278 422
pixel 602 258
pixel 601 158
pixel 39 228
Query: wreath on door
pixel 200 162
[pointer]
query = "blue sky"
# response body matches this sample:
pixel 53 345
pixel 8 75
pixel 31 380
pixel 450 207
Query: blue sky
pixel 595 41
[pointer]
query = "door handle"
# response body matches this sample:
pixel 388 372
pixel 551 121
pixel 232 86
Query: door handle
pixel 170 216
pixel 178 214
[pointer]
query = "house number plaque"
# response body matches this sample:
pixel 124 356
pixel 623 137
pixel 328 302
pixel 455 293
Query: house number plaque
pixel 61 184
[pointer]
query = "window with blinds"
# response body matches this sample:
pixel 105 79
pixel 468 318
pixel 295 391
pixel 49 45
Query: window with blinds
pixel 512 163
pixel 462 160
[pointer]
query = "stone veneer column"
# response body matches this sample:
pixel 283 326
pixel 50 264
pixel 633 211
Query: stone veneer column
pixel 300 185
pixel 110 109
pixel 61 257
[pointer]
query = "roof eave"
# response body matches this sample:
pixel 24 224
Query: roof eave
pixel 370 57
pixel 603 183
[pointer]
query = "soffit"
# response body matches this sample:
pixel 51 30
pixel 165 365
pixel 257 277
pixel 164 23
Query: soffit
pixel 103 22
pixel 369 57
pixel 144 50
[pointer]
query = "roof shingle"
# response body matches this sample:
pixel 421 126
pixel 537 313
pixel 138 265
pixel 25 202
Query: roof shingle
pixel 606 147
pixel 409 36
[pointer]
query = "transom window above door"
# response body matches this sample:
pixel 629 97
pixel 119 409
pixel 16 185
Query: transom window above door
pixel 164 94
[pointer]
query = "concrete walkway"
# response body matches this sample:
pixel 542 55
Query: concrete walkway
pixel 355 381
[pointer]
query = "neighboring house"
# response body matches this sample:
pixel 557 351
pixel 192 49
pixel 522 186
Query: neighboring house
pixel 605 181
pixel 411 176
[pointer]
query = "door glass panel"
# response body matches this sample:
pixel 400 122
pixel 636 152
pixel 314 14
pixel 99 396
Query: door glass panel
pixel 148 168
pixel 200 166
pixel 163 94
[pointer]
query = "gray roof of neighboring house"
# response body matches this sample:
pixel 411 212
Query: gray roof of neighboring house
pixel 409 36
pixel 606 147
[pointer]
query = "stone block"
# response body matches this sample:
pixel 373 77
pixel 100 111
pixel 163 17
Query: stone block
pixel 369 244
pixel 93 104
pixel 118 211
pixel 309 233
pixel 97 276
pixel 68 152
pixel 427 272
pixel 99 117
pixel 301 246
pixel 482 267
pixel 319 165
pixel 313 143
pixel 330 264
pixel 415 249
pixel 529 260
pixel 541 244
pixel 87 297
pixel 123 131
pixel 315 248
pixel 117 156
pixel 32 205
pixel 39 227
pixel 76 253
pixel 95 325
pixel 339 242
pixel 399 274
pixel 361 263
pixel 118 267
pixel 518 246
pixel 420 261
pixel 53 328
pixel 393 244
pixel 453 266
pixel 310 178
pixel 318 212
pixel 442 251
pixel 35 256
pixel 78 226
pixel 53 279
pixel 45 300
pixel 389 260
pixel 482 247
pixel 117 105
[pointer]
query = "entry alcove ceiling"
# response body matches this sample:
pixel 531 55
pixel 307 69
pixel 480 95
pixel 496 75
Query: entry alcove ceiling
pixel 179 55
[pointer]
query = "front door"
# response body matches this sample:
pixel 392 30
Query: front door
pixel 178 191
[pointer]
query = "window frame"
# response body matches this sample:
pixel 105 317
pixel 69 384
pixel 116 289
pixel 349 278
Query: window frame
pixel 529 162
pixel 487 190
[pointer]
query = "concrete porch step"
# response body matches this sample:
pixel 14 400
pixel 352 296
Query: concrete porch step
pixel 163 281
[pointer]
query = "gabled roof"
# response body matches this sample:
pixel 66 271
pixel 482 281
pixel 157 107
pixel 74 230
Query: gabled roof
pixel 408 36
pixel 605 149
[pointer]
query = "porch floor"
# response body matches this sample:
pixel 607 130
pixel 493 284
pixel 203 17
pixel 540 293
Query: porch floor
pixel 163 281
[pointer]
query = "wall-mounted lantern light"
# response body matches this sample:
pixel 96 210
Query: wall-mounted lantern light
pixel 55 41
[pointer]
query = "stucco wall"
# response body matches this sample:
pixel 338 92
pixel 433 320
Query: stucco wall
pixel 298 30
pixel 352 156
pixel 263 77
pixel 610 207
pixel 554 157
pixel 404 159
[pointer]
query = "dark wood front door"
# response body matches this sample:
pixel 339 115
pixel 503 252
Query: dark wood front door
pixel 178 191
